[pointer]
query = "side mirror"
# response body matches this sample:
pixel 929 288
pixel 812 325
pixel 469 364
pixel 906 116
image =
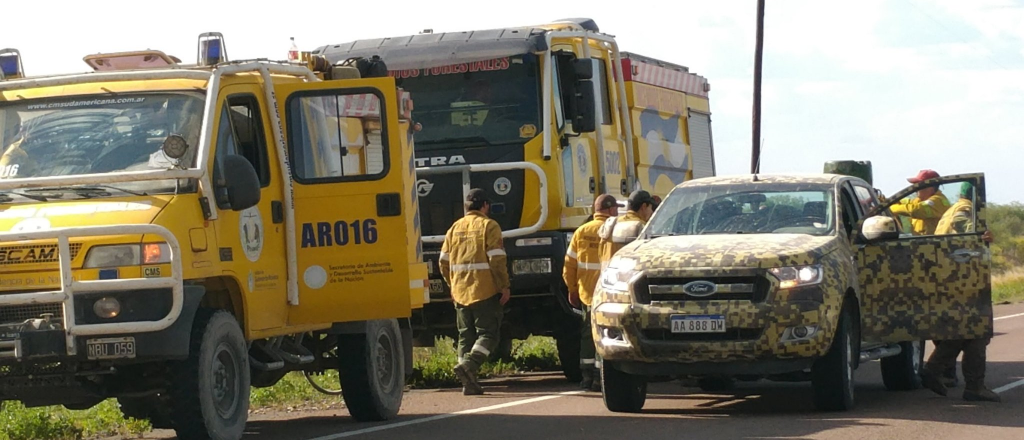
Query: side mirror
pixel 879 228
pixel 240 185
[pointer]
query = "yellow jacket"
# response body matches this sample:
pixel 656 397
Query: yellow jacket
pixel 958 219
pixel 618 232
pixel 473 258
pixel 924 215
pixel 582 267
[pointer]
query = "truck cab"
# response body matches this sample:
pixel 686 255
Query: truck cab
pixel 173 234
pixel 788 277
pixel 544 119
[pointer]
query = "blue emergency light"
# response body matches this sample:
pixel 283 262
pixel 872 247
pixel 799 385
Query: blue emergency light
pixel 212 49
pixel 10 64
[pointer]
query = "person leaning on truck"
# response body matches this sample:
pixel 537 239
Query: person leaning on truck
pixel 925 210
pixel 617 232
pixel 581 271
pixel 472 262
pixel 959 219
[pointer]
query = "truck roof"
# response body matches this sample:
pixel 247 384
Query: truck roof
pixel 767 179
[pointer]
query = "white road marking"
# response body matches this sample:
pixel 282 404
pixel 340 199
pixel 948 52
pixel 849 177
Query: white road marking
pixel 1010 316
pixel 445 416
pixel 1009 387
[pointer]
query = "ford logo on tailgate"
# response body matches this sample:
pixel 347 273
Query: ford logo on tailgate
pixel 700 288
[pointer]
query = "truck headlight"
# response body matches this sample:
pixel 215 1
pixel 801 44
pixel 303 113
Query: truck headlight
pixel 797 276
pixel 127 255
pixel 618 274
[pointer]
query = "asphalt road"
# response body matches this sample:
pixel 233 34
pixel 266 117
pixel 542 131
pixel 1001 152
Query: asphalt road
pixel 535 407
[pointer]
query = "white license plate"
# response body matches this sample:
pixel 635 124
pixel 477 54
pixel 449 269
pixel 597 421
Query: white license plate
pixel 436 286
pixel 698 324
pixel 111 348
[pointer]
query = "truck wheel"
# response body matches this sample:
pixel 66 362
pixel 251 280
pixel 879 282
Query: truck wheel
pixel 372 371
pixel 832 374
pixel 210 390
pixel 568 344
pixel 903 371
pixel 150 408
pixel 622 392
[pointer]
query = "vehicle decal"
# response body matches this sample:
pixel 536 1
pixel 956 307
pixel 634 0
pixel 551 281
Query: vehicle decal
pixel 250 228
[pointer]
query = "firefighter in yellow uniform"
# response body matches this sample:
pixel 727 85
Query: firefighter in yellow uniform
pixel 472 262
pixel 581 272
pixel 925 210
pixel 959 219
pixel 618 232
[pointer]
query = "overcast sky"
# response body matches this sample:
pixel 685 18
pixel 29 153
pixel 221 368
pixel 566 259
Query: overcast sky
pixel 906 84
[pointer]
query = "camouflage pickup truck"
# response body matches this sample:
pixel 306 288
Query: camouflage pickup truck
pixel 788 277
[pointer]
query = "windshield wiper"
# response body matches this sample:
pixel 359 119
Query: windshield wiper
pixel 85 191
pixel 4 198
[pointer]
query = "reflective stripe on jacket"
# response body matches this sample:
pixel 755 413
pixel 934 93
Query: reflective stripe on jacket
pixel 472 259
pixel 582 267
pixel 924 215
pixel 617 232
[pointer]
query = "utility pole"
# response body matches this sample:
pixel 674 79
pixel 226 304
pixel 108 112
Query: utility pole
pixel 755 156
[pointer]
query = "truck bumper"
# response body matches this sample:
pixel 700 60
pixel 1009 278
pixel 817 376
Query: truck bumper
pixel 758 338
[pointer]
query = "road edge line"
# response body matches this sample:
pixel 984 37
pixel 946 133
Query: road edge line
pixel 1008 317
pixel 445 416
pixel 1008 387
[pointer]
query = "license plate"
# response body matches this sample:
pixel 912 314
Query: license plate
pixel 698 323
pixel 436 286
pixel 111 348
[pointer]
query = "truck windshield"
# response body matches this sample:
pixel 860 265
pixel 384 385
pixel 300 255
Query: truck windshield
pixel 727 209
pixel 486 102
pixel 95 135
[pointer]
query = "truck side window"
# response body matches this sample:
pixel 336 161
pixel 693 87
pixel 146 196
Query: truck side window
pixel 337 137
pixel 606 105
pixel 556 87
pixel 249 139
pixel 850 214
pixel 866 198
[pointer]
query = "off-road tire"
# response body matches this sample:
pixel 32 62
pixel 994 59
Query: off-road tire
pixel 832 375
pixel 152 408
pixel 209 392
pixel 568 344
pixel 371 367
pixel 903 371
pixel 622 392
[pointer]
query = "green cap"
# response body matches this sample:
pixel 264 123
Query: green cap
pixel 967 190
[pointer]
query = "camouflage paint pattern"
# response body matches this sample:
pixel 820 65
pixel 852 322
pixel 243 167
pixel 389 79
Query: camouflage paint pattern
pixel 727 256
pixel 912 289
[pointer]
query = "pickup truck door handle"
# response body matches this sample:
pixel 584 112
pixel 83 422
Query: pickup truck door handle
pixel 965 255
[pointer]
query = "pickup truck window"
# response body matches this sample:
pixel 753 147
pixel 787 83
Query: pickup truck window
pixel 744 210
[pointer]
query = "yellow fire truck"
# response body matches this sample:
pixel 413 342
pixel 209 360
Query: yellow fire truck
pixel 175 234
pixel 542 118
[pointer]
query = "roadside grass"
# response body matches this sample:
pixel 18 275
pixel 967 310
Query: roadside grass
pixel 432 367
pixel 1008 287
pixel 58 423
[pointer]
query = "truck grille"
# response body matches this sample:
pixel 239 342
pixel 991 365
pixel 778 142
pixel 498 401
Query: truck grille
pixel 735 288
pixel 736 334
pixel 19 314
pixel 34 254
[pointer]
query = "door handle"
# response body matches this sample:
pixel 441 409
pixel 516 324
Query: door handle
pixel 593 185
pixel 964 255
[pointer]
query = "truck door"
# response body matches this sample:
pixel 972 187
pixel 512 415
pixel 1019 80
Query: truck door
pixel 580 149
pixel 934 286
pixel 349 174
pixel 252 240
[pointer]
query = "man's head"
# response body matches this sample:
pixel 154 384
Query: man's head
pixel 641 203
pixel 477 200
pixel 921 176
pixel 605 204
